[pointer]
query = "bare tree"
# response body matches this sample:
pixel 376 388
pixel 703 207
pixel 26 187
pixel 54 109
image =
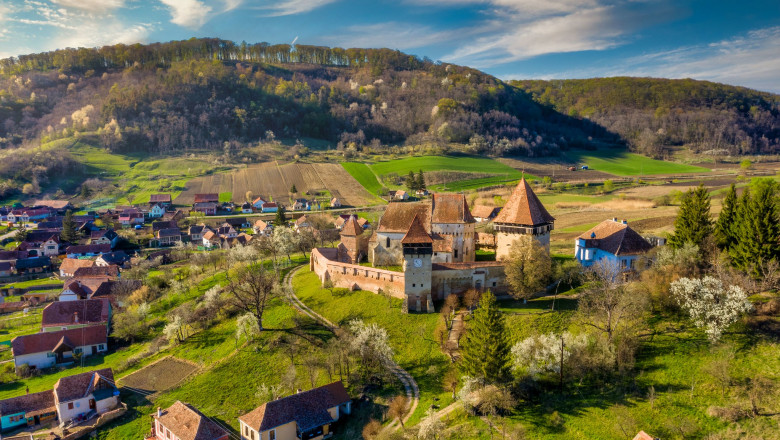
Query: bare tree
pixel 251 288
pixel 397 409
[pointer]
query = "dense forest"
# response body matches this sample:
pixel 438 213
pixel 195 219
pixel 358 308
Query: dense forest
pixel 652 115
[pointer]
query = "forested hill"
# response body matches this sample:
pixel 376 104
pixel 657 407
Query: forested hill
pixel 204 93
pixel 654 114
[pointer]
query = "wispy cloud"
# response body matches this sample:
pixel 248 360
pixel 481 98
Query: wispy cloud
pixel 291 7
pixel 188 13
pixel 748 59
pixel 520 29
pixel 97 6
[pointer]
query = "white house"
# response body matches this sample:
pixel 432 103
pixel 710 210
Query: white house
pixel 85 395
pixel 156 211
pixel 307 415
pixel 613 241
pixel 47 349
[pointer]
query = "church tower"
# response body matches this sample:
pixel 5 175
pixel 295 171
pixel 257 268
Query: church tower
pixel 417 247
pixel 523 214
pixel 353 247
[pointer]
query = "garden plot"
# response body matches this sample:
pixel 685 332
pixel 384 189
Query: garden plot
pixel 159 376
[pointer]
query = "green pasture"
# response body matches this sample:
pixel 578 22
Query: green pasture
pixel 363 174
pixel 622 163
pixel 468 164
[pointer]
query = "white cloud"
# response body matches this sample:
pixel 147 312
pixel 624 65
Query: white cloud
pixel 94 6
pixel 188 13
pixel 748 60
pixel 292 7
pixel 232 4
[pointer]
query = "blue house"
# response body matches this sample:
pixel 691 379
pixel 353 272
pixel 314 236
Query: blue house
pixel 27 410
pixel 611 240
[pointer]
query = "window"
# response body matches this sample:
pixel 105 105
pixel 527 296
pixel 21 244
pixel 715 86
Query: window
pixel 252 435
pixel 414 285
pixel 272 434
pixel 101 347
pixel 77 350
pixel 494 284
pixel 456 253
pixel 388 242
pixel 246 430
pixel 167 433
pixel 70 405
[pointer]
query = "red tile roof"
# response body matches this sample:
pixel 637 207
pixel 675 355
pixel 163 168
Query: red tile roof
pixel 80 385
pixel 450 208
pixel 46 341
pixel 187 423
pixel 110 271
pixel 352 227
pixel 88 311
pixel 616 238
pixel 160 198
pixel 416 233
pixel 70 265
pixel 29 404
pixel 308 409
pixel 524 208
pixel 398 216
pixel 644 436
pixel 207 198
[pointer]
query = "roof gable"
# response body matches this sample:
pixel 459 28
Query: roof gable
pixel 307 409
pixel 616 238
pixel 47 341
pixel 416 233
pixel 187 423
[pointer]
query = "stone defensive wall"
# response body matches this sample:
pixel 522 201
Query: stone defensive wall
pixel 324 263
pixel 457 278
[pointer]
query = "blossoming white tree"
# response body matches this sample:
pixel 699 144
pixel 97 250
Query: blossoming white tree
pixel 430 427
pixel 548 353
pixel 710 305
pixel 370 343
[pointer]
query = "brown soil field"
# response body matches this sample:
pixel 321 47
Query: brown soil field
pixel 159 376
pixel 273 180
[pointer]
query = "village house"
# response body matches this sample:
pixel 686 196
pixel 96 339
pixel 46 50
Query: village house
pixel 110 272
pixel 69 266
pixel 226 231
pixel 305 415
pixel 47 349
pixel 26 215
pixel 246 208
pixel 115 258
pixel 270 207
pixel 206 198
pixel 612 241
pixel 205 208
pixel 156 211
pixel 168 237
pixel 86 395
pixel 163 224
pixel 301 205
pixel 182 421
pixel 399 195
pixel 131 217
pixel 175 216
pixel 6 269
pixel 196 233
pixel 33 265
pixel 302 222
pixel 258 203
pixel 262 227
pixel 67 315
pixel 87 250
pixel 59 206
pixel 27 410
pixel 104 236
pixel 484 213
pixel 86 287
pixel 335 202
pixel 163 200
pixel 51 247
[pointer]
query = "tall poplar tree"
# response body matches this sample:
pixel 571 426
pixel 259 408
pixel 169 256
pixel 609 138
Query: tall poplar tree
pixel 693 223
pixel 485 349
pixel 725 228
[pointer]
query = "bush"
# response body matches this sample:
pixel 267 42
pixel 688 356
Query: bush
pixel 23 371
pixel 728 413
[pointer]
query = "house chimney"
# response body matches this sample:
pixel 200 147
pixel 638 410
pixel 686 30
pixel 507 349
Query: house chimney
pixel 159 412
pixel 625 222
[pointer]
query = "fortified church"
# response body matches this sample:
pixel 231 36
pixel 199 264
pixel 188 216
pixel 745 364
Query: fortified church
pixel 434 243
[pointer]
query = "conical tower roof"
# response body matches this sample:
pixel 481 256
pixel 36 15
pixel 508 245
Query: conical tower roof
pixel 524 208
pixel 416 233
pixel 352 227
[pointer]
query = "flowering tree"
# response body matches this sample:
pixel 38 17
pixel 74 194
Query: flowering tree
pixel 710 305
pixel 247 327
pixel 549 353
pixel 175 330
pixel 370 343
pixel 431 426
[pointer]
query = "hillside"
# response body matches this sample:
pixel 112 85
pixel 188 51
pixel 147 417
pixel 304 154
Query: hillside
pixel 656 115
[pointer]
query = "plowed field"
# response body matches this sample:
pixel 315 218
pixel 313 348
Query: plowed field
pixel 159 376
pixel 275 180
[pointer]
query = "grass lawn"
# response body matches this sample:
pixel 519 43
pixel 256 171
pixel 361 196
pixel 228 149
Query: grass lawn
pixel 40 282
pixel 471 164
pixel 363 174
pixel 411 335
pixel 465 185
pixel 622 163
pixel 225 197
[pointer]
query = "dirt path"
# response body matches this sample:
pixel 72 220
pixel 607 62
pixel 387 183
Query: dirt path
pixel 410 386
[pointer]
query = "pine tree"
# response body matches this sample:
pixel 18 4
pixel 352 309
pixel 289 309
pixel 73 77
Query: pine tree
pixel 485 349
pixel 421 181
pixel 68 233
pixel 693 223
pixel 725 228
pixel 741 249
pixel 281 218
pixel 293 189
pixel 758 239
pixel 411 182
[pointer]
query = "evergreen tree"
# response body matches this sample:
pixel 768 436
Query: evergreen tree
pixel 725 228
pixel 293 189
pixel 758 233
pixel 485 349
pixel 693 223
pixel 85 191
pixel 411 182
pixel 281 217
pixel 68 233
pixel 421 181
pixel 739 249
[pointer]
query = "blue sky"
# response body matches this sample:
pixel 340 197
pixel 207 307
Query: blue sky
pixel 735 42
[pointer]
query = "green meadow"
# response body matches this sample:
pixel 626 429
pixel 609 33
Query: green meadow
pixel 623 163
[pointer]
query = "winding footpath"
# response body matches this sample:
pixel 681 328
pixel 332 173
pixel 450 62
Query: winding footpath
pixel 410 386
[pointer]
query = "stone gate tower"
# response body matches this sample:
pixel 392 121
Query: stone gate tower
pixel 417 247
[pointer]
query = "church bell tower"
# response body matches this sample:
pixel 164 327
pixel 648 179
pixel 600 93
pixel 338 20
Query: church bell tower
pixel 417 247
